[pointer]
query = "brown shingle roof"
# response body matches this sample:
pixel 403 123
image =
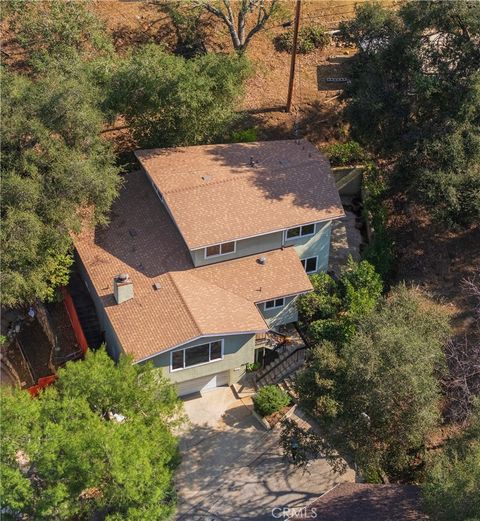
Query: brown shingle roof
pixel 366 502
pixel 142 240
pixel 216 194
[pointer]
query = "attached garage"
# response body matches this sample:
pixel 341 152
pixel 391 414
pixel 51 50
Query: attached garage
pixel 204 384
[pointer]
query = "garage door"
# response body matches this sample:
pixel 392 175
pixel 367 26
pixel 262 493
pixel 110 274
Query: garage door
pixel 204 384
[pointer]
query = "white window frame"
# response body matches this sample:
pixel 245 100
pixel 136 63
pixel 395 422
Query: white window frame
pixel 274 300
pixel 172 370
pixel 220 254
pixel 305 266
pixel 285 233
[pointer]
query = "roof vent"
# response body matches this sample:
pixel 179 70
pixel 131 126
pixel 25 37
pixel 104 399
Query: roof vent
pixel 206 178
pixel 252 161
pixel 262 260
pixel 157 286
pixel 122 288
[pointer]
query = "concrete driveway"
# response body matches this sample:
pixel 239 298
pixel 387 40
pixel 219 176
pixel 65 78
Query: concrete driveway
pixel 233 469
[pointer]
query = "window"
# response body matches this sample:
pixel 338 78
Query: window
pixel 196 355
pixel 310 264
pixel 220 249
pixel 300 231
pixel 273 304
pixel 177 359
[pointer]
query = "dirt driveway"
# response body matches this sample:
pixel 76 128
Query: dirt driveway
pixel 233 469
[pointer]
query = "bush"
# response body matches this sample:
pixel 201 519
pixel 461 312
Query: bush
pixel 380 252
pixel 332 309
pixel 309 38
pixel 249 135
pixel 347 153
pixel 270 399
pixel 251 367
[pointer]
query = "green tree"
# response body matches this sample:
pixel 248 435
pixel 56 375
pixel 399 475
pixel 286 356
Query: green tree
pixel 452 488
pixel 97 442
pixel 57 28
pixel 331 311
pixel 377 396
pixel 168 100
pixel 415 98
pixel 55 165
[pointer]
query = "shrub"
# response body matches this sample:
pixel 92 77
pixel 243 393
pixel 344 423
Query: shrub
pixel 251 367
pixel 245 136
pixel 270 399
pixel 380 251
pixel 309 38
pixel 347 153
pixel 332 309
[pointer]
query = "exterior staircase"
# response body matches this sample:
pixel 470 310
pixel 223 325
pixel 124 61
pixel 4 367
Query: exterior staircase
pixel 281 368
pixel 87 314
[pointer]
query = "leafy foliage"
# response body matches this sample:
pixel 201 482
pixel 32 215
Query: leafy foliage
pixel 452 488
pixel 377 396
pixel 348 153
pixel 310 38
pixel 168 100
pixel 57 28
pixel 380 250
pixel 415 97
pixel 270 399
pixel 54 164
pixel 249 135
pixel 333 308
pixel 64 455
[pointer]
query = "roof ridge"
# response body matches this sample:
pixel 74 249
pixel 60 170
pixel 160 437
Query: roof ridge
pixel 184 302
pixel 237 177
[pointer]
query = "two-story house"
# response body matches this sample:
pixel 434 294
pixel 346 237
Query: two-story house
pixel 207 247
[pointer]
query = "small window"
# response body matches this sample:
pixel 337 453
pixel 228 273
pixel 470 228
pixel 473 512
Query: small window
pixel 177 359
pixel 276 303
pixel 309 229
pixel 215 350
pixel 227 247
pixel 220 249
pixel 310 264
pixel 293 233
pixel 211 251
pixel 300 231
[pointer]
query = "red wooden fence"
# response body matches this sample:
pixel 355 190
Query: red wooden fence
pixel 72 313
pixel 79 335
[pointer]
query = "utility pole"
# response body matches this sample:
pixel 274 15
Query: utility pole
pixel 294 56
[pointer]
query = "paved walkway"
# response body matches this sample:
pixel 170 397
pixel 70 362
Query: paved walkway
pixel 345 241
pixel 235 470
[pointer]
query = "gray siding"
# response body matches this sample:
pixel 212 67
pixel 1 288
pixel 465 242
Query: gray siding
pixel 238 350
pixel 284 315
pixel 317 245
pixel 245 247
